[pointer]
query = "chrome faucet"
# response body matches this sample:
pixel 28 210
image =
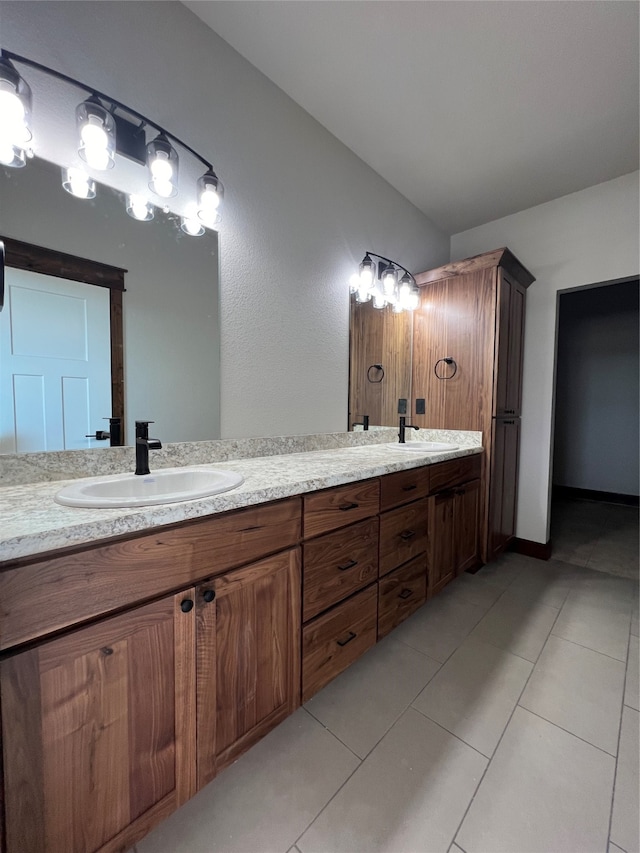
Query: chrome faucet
pixel 404 426
pixel 143 445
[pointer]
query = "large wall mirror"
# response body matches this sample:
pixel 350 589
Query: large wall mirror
pixel 171 337
pixel 380 347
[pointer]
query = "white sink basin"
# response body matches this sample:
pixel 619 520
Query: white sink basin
pixel 424 446
pixel 164 486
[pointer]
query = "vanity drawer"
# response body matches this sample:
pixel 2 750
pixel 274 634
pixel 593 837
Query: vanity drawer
pixel 336 639
pixel 337 565
pixel 404 486
pixel 401 593
pixel 333 508
pixel 51 594
pixel 444 475
pixel 403 535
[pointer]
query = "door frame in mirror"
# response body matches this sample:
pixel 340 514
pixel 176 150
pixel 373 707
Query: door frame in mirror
pixel 26 256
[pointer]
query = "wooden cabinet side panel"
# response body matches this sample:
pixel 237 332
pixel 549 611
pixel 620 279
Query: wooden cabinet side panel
pixel 496 489
pixel 467 526
pixel 516 347
pixel 442 556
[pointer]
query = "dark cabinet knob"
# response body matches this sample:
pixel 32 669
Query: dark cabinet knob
pixel 208 595
pixel 186 605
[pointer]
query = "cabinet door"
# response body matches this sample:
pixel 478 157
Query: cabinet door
pixel 467 532
pixel 99 731
pixel 508 378
pixel 257 636
pixel 442 550
pixel 503 490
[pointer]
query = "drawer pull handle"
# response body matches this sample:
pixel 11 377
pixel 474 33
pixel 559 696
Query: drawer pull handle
pixel 351 636
pixel 409 488
pixel 407 534
pixel 348 565
pixel 406 593
pixel 351 505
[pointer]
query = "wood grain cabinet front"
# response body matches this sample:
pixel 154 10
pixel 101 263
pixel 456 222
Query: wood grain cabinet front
pixel 403 535
pixel 248 658
pixel 401 593
pixel 333 641
pixel 98 731
pixel 334 508
pixel 337 565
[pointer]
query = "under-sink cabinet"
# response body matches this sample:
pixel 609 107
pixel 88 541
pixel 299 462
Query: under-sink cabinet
pixel 133 671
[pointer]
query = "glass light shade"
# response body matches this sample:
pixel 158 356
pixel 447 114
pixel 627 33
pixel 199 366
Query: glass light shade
pixel 12 155
pixel 413 300
pixel 191 226
pixel 379 300
pixel 363 294
pixel 15 107
pixel 354 283
pixel 78 183
pixel 389 280
pixel 210 195
pixel 96 134
pixel 162 163
pixel 139 208
pixel 367 269
pixel 397 307
pixel 211 220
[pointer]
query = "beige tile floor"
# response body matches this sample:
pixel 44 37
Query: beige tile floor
pixel 503 716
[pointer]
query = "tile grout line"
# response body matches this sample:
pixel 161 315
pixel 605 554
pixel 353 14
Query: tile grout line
pixel 333 734
pixel 562 728
pixel 589 649
pixel 615 775
pixel 497 746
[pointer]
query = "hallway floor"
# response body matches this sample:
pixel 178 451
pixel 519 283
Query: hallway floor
pixel 503 716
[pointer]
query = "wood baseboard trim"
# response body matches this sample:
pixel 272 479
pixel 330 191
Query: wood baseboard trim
pixel 593 495
pixel 539 550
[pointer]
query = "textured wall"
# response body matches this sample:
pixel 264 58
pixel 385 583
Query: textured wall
pixel 580 239
pixel 301 208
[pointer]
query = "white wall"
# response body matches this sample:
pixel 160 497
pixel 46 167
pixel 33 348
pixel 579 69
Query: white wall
pixel 300 208
pixel 587 237
pixel 596 436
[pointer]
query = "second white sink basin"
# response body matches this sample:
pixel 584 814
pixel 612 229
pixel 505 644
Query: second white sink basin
pixel 425 446
pixel 167 485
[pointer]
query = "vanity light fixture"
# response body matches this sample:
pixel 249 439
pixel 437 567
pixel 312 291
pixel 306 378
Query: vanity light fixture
pixel 162 162
pixel 15 115
pixel 379 282
pixel 78 183
pixel 106 127
pixel 96 134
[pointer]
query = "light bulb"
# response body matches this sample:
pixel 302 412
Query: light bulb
pixel 363 294
pixel 139 208
pixel 97 134
pixel 413 300
pixel 162 163
pixel 209 199
pixel 389 280
pixel 15 108
pixel 78 183
pixel 354 282
pixel 378 299
pixel 160 167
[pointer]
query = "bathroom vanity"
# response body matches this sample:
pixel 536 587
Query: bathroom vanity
pixel 135 667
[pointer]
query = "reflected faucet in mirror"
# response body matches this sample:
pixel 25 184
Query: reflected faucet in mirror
pixel 113 434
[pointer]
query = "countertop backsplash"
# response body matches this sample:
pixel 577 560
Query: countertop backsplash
pixel 21 468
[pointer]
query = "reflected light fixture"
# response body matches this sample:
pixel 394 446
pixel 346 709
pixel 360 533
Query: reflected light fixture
pixel 379 283
pixel 106 128
pixel 139 208
pixel 78 183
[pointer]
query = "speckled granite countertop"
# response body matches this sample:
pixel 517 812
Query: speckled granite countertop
pixel 32 523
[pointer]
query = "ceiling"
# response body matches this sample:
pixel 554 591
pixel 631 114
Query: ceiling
pixel 472 109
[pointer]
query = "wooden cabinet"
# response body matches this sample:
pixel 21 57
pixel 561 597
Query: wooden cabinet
pixel 401 593
pixel 251 679
pixel 504 472
pixel 403 535
pixel 99 731
pixel 473 312
pixel 453 534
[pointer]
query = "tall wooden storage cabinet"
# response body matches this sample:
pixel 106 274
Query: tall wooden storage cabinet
pixel 472 311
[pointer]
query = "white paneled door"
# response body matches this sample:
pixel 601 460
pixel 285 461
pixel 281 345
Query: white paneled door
pixel 55 363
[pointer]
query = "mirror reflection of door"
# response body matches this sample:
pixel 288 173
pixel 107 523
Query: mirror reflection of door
pixel 55 363
pixel 60 350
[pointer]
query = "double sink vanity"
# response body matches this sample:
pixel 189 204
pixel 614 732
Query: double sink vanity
pixel 144 648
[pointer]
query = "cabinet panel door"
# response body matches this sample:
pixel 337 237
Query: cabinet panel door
pixel 467 531
pixel 508 382
pixel 442 551
pixel 504 484
pixel 257 651
pixel 99 731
